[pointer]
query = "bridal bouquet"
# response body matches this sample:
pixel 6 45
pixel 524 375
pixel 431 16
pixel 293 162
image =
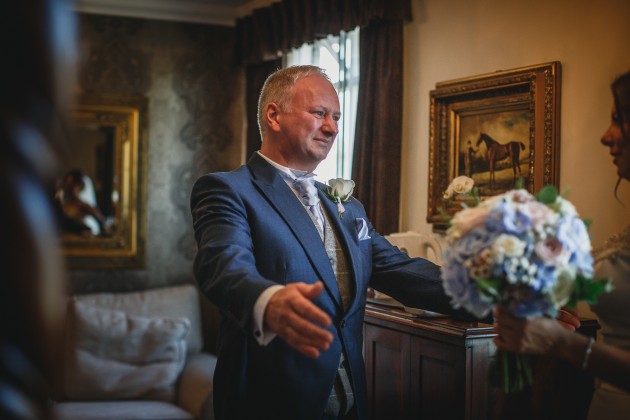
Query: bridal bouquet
pixel 530 254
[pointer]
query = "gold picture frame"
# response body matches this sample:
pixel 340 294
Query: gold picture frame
pixel 102 226
pixel 494 128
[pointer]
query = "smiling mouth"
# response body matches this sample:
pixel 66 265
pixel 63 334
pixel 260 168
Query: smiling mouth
pixel 322 140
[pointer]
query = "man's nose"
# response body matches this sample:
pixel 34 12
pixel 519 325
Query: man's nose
pixel 331 126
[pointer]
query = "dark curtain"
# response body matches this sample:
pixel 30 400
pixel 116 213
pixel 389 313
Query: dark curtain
pixel 267 33
pixel 377 145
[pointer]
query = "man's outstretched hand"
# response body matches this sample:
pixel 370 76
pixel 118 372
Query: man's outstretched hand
pixel 293 316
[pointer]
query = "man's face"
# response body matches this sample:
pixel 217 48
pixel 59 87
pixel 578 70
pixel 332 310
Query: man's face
pixel 308 127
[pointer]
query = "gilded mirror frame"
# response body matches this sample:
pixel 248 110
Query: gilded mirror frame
pixel 119 126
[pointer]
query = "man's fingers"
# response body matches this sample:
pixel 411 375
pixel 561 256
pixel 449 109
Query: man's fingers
pixel 309 310
pixel 308 351
pixel 291 314
pixel 297 339
pixel 311 291
pixel 305 307
pixel 308 332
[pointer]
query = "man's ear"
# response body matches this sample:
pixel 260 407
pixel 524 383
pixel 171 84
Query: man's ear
pixel 272 113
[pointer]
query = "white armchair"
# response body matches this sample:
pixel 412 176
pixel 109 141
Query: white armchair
pixel 136 355
pixel 416 244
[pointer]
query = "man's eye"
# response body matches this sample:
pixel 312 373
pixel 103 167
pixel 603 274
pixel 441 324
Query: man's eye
pixel 336 117
pixel 319 114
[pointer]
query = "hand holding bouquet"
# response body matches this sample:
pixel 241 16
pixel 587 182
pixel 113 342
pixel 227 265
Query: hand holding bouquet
pixel 529 254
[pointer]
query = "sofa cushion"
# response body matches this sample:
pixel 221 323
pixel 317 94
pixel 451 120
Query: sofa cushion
pixel 180 301
pixel 114 355
pixel 136 410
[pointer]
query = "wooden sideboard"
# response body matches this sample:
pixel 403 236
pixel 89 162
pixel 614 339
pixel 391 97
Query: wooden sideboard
pixel 437 368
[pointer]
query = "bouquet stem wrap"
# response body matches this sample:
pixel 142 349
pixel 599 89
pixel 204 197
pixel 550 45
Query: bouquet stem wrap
pixel 512 372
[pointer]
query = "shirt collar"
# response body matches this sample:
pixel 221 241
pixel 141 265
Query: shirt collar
pixel 293 174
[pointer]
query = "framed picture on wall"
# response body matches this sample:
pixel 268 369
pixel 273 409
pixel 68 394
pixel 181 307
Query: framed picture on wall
pixel 495 128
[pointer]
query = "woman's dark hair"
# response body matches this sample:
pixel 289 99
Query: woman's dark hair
pixel 621 94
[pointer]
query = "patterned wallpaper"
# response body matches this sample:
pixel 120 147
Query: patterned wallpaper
pixel 196 108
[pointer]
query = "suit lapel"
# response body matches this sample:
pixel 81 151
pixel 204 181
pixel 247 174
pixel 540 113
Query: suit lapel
pixel 283 200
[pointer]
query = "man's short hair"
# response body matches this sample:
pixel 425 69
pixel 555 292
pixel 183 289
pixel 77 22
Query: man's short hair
pixel 278 88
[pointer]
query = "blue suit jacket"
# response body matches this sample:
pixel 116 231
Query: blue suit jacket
pixel 252 233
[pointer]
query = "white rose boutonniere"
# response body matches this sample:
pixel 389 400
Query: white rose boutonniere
pixel 340 191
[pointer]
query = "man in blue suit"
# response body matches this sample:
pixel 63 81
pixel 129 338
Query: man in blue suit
pixel 291 277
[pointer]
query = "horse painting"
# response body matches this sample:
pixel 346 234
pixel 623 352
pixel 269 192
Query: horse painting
pixel 496 152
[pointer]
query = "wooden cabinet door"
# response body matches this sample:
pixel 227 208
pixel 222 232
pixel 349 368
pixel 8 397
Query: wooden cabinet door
pixel 413 378
pixel 437 380
pixel 387 367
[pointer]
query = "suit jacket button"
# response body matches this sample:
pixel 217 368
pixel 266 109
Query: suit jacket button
pixel 343 323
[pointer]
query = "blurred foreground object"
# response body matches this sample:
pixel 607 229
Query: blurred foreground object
pixel 37 38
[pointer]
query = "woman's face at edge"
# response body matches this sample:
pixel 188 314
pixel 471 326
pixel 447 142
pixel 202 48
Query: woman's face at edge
pixel 615 138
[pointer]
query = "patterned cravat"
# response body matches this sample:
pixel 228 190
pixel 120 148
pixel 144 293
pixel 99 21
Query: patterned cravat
pixel 305 185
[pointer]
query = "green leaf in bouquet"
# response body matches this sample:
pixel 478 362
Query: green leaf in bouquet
pixel 547 195
pixel 587 223
pixel 519 183
pixel 489 287
pixel 588 290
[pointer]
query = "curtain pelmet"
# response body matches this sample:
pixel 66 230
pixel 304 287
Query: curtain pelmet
pixel 270 31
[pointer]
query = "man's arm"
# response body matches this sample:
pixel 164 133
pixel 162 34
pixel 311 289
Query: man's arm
pixel 225 265
pixel 415 282
pixel 225 268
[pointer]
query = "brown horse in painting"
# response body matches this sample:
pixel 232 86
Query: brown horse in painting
pixel 497 152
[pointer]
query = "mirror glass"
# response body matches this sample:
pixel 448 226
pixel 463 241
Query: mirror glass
pixel 100 192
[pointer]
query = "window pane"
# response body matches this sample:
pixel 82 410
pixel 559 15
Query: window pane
pixel 339 57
